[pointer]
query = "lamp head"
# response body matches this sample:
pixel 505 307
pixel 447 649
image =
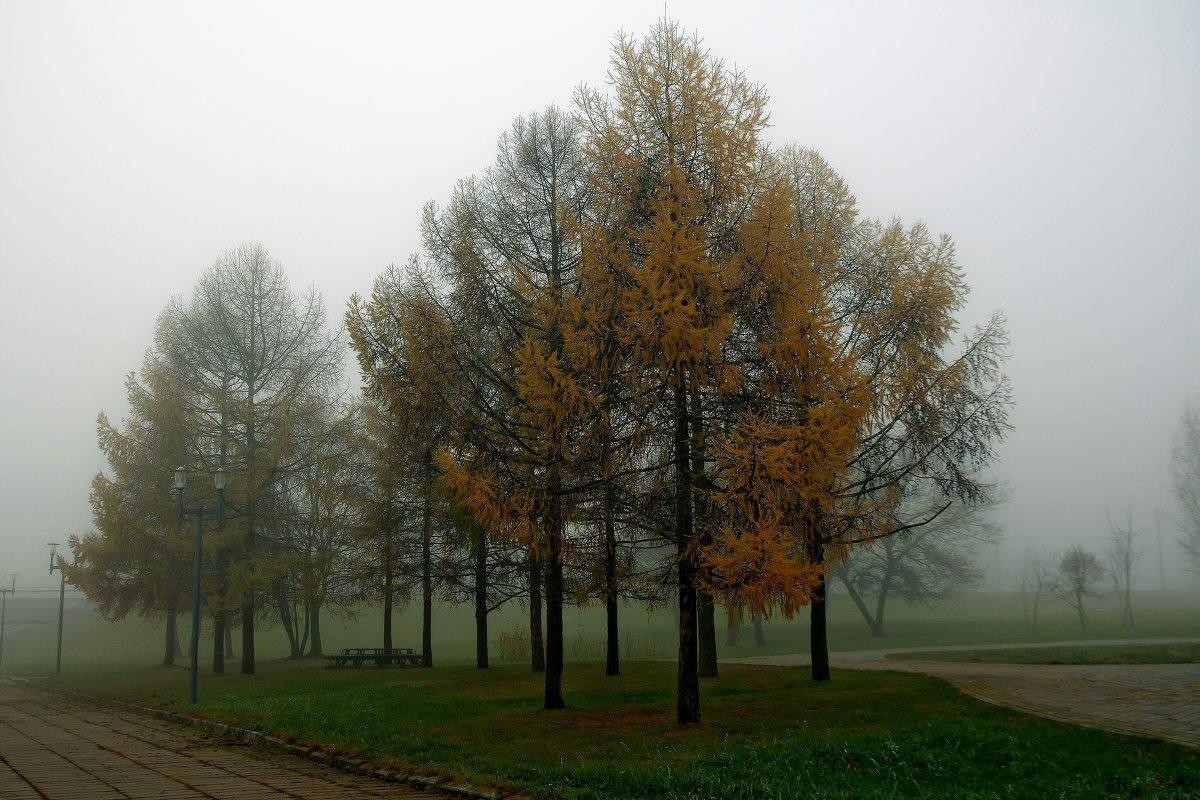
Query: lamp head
pixel 180 479
pixel 219 479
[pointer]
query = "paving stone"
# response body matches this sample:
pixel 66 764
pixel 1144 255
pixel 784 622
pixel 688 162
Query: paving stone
pixel 62 747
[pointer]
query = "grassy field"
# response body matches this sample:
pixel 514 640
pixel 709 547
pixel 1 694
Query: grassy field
pixel 766 732
pixel 1180 653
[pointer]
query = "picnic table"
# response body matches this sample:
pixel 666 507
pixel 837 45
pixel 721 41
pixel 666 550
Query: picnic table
pixel 380 656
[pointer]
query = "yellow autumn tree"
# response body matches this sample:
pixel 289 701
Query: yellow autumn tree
pixel 402 340
pixel 694 243
pixel 933 413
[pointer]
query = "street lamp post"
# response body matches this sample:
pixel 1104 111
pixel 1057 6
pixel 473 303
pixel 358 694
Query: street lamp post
pixel 62 590
pixel 198 512
pixel 4 608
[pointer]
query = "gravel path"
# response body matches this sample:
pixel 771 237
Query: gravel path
pixel 1159 701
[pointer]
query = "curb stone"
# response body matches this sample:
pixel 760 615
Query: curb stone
pixel 253 737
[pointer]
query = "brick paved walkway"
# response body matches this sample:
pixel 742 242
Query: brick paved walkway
pixel 61 748
pixel 1159 701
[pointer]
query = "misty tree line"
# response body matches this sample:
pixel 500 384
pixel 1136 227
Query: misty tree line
pixel 643 357
pixel 1077 573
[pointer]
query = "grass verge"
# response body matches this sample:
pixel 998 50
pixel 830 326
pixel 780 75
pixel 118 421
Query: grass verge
pixel 767 732
pixel 1182 653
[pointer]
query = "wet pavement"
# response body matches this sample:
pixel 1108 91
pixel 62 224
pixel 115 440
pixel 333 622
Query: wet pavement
pixel 56 746
pixel 1161 701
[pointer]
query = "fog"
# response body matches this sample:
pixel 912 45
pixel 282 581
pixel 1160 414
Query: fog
pixel 1059 144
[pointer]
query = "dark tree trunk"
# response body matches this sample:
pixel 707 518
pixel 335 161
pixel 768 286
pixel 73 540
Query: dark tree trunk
pixel 219 633
pixel 732 631
pixel 387 609
pixel 248 594
pixel 481 606
pixel 760 639
pixel 316 648
pixel 427 567
pixel 248 633
pixel 288 621
pixel 881 601
pixel 817 634
pixel 553 567
pixel 612 661
pixel 687 700
pixel 876 627
pixel 707 635
pixel 706 625
pixel 537 648
pixel 228 637
pixel 172 637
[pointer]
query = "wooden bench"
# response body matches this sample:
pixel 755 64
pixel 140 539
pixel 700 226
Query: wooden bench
pixel 379 656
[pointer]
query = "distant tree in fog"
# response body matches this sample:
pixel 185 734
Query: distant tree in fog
pixel 1121 553
pixel 1079 571
pixel 1038 578
pixel 927 563
pixel 1185 482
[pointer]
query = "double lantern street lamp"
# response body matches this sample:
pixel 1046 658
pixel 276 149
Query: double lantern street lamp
pixel 199 513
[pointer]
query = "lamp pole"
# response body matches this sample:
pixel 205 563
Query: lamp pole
pixel 198 512
pixel 62 590
pixel 4 608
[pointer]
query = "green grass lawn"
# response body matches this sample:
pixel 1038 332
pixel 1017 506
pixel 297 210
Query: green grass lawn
pixel 1182 653
pixel 767 732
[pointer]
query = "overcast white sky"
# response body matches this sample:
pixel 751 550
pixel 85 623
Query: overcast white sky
pixel 1058 143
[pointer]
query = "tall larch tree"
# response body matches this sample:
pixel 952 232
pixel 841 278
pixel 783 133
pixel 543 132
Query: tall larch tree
pixel 695 230
pixel 505 248
pixel 402 340
pixel 137 557
pixel 936 412
pixel 252 353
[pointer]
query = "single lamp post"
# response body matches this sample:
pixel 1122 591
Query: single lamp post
pixel 4 593
pixel 198 512
pixel 62 590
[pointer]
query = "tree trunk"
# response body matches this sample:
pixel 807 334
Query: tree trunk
pixel 387 610
pixel 1079 608
pixel 481 606
pixel 612 660
pixel 687 693
pixel 251 522
pixel 860 604
pixel 537 649
pixel 881 602
pixel 707 630
pixel 219 634
pixel 760 640
pixel 732 630
pixel 171 637
pixel 707 635
pixel 248 633
pixel 288 622
pixel 818 641
pixel 316 647
pixel 228 638
pixel 553 569
pixel 427 565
